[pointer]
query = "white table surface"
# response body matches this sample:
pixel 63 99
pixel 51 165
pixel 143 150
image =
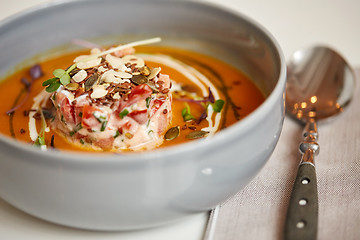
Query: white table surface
pixel 294 24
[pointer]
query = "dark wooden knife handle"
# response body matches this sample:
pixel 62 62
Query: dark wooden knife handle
pixel 302 216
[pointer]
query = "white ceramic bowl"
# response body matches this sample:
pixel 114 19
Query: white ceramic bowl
pixel 122 192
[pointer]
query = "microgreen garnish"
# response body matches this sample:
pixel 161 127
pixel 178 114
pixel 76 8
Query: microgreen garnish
pixel 40 141
pixel 186 114
pixel 123 113
pixel 61 77
pixel 218 105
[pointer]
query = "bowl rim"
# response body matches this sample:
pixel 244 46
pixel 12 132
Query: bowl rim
pixel 111 158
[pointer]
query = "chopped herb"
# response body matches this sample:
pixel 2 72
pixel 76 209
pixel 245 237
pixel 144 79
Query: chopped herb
pixel 148 99
pixel 218 105
pixel 80 114
pixel 103 126
pixel 76 129
pixel 117 134
pixel 123 113
pixel 82 141
pixel 186 114
pixel 99 118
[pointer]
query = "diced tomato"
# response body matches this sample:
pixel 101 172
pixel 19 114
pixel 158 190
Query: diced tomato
pixel 138 93
pixel 155 105
pixel 140 116
pixel 105 143
pixel 66 109
pixel 88 118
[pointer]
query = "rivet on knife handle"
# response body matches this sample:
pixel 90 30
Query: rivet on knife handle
pixel 302 216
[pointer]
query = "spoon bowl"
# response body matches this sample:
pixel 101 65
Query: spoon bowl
pixel 320 84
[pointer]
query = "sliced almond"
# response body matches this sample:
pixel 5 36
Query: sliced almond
pixel 99 91
pixel 89 64
pixel 123 75
pixel 80 58
pixel 154 72
pixel 95 51
pixel 80 76
pixel 108 76
pixel 132 59
pixel 102 69
pixel 115 62
pixel 115 77
pixel 116 96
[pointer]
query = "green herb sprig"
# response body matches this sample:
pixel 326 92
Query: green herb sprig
pixel 40 141
pixel 61 77
pixel 186 114
pixel 218 105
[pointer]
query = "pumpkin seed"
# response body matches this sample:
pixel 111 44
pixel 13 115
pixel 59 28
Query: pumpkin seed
pixel 145 71
pixel 72 86
pixel 91 81
pixel 74 71
pixel 197 134
pixel 139 79
pixel 172 133
pixel 153 87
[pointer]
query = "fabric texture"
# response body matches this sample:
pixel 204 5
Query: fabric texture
pixel 259 210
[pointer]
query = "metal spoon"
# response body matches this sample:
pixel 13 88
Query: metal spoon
pixel 320 85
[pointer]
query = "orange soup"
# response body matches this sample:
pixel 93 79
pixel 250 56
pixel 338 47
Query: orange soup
pixel 236 97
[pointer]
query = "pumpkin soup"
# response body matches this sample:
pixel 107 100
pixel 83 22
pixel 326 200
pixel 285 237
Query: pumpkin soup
pixel 124 99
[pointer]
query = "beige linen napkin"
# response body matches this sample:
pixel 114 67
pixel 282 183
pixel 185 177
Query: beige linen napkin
pixel 259 210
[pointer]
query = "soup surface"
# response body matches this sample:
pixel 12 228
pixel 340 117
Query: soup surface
pixel 199 83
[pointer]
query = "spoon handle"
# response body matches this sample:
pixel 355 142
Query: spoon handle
pixel 302 215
